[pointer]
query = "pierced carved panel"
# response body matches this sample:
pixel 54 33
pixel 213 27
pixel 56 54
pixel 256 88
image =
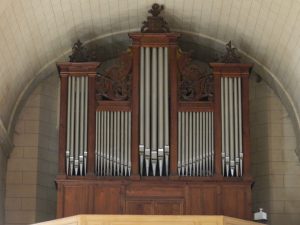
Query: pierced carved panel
pixel 114 83
pixel 196 80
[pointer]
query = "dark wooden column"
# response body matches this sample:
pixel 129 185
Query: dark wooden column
pixel 135 112
pixel 173 110
pixel 217 126
pixel 91 124
pixel 246 127
pixel 63 124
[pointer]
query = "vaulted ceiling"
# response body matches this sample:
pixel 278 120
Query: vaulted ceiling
pixel 34 34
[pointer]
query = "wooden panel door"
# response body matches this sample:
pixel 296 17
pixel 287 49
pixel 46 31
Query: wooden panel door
pixel 139 207
pixel 107 200
pixel 169 207
pixel 203 200
pixel 234 201
pixel 75 200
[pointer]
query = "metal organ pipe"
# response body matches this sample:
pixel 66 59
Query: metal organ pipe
pixel 72 125
pixel 179 143
pixel 142 108
pixel 166 108
pixel 160 110
pixel 113 142
pixel 223 125
pixel 236 135
pixel 195 144
pixel 69 126
pixel 239 93
pixel 76 151
pixel 147 110
pixel 81 79
pixel 154 111
pixel 231 109
pixel 154 136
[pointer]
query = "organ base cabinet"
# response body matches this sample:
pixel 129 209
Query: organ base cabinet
pixel 154 197
pixel 154 130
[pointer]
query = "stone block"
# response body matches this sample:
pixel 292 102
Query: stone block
pixel 14 177
pixel 292 207
pixel 20 217
pixel 13 203
pixel 28 203
pixel 29 177
pixel 20 190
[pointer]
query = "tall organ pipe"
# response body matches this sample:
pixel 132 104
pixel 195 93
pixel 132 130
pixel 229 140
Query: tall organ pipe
pixel 68 125
pixel 197 143
pixel 81 125
pixel 102 132
pixel 166 109
pixel 194 143
pixel 223 124
pixel 231 127
pixel 183 138
pixel 118 147
pixel 142 108
pixel 231 108
pixel 72 125
pixel 179 143
pixel 85 123
pixel 122 144
pixel 190 143
pixel 147 111
pixel 239 93
pixel 125 143
pixel 154 111
pixel 129 142
pixel 97 142
pixel 236 125
pixel 160 110
pixel 115 144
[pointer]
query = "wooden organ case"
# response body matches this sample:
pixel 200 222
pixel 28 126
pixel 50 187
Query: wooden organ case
pixel 153 133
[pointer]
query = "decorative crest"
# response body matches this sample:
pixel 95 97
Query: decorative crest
pixel 155 23
pixel 80 53
pixel 196 81
pixel 231 56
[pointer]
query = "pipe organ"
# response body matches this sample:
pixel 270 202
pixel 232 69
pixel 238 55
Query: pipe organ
pixel 154 131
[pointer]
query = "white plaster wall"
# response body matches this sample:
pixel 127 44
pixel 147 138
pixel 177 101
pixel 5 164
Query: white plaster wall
pixel 275 165
pixel 35 33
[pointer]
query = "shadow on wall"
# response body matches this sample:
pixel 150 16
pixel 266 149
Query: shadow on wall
pixel 275 166
pixel 32 166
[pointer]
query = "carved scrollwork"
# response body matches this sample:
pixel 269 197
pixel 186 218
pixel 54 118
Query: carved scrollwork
pixel 115 83
pixel 196 81
pixel 155 23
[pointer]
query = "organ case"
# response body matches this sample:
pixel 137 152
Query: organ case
pixel 153 132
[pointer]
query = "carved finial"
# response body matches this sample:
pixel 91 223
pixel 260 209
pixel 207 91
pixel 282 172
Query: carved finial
pixel 155 23
pixel 231 55
pixel 156 9
pixel 80 53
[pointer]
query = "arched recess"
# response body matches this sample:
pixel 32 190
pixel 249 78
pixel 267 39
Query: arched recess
pixel 113 43
pixel 206 48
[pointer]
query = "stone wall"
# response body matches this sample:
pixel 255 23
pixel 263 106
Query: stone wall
pixel 276 167
pixel 32 166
